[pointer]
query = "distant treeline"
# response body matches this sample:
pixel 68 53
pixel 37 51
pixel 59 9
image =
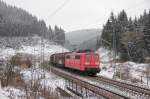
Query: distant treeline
pixel 17 22
pixel 130 38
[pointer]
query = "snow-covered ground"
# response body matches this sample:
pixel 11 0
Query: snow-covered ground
pixel 138 71
pixel 133 70
pixel 33 46
pixel 3 95
pixel 108 72
pixel 45 78
pixel 14 93
pixel 30 46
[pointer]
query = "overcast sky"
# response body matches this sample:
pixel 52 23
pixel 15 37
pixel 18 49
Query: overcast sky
pixel 79 14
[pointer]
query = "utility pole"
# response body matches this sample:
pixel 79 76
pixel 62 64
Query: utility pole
pixel 114 49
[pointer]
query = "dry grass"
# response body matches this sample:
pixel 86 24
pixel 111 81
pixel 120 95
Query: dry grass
pixel 134 80
pixel 21 60
pixel 32 89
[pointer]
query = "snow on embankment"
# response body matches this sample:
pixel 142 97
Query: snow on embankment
pixel 13 93
pixel 44 77
pixel 3 94
pixel 137 71
pixel 132 72
pixel 6 53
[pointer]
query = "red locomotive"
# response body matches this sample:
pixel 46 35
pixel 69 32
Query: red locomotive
pixel 86 62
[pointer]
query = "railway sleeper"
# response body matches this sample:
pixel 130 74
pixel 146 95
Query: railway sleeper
pixel 96 89
pixel 75 92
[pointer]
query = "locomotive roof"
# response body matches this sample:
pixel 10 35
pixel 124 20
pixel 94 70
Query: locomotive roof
pixel 80 51
pixel 83 51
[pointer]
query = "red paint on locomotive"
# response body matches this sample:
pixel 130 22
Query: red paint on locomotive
pixel 84 61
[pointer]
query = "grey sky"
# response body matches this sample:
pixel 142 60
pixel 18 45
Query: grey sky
pixel 80 14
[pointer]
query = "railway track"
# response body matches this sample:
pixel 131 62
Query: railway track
pixel 101 91
pixel 137 91
pixel 113 86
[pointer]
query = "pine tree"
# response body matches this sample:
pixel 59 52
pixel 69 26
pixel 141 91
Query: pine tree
pixel 136 25
pixel 59 36
pixel 122 22
pixel 130 27
pixel 107 34
pixel 147 34
pixel 62 36
pixel 50 33
pixel 128 35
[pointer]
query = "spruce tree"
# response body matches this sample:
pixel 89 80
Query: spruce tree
pixel 130 27
pixel 50 33
pixel 147 34
pixel 122 22
pixel 59 36
pixel 107 34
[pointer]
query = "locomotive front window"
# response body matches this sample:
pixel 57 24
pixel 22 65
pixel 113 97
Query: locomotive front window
pixel 72 57
pixel 67 57
pixel 95 56
pixel 88 56
pixel 77 57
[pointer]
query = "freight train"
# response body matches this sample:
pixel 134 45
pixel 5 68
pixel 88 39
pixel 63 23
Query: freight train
pixel 87 62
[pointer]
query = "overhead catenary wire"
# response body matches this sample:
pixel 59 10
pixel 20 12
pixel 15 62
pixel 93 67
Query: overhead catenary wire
pixel 140 3
pixel 137 4
pixel 54 13
pixel 126 9
pixel 114 35
pixel 129 8
pixel 58 9
pixel 66 1
pixel 49 16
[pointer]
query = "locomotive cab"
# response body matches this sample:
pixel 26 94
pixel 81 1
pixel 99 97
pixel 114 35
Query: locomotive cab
pixel 91 63
pixel 86 62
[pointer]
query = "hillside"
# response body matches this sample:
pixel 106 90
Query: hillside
pixel 130 36
pixel 17 22
pixel 10 46
pixel 82 37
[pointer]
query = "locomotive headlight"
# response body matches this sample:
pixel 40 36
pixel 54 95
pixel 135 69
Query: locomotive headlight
pixel 87 63
pixel 97 63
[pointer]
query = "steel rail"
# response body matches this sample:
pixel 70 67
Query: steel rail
pixel 108 94
pixel 135 88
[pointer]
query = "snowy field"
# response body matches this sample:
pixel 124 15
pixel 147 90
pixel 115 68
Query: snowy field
pixel 31 46
pixel 45 78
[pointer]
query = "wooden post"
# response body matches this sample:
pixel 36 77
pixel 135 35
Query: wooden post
pixel 76 86
pixel 81 89
pixel 86 92
pixel 147 80
pixel 69 84
pixel 72 84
